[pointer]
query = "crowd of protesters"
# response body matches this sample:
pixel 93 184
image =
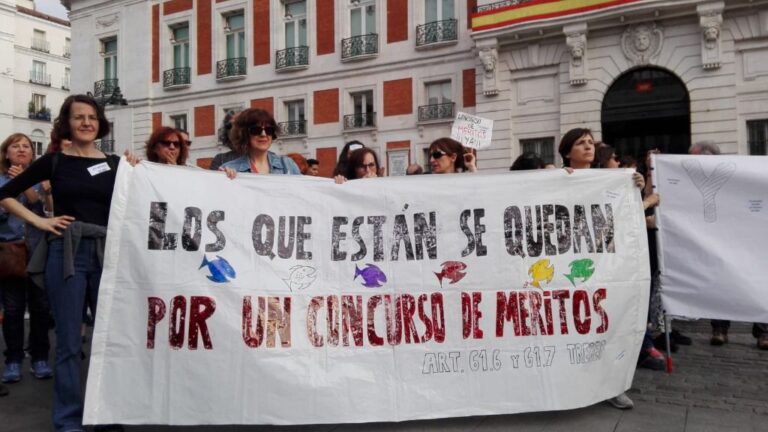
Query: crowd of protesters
pixel 55 209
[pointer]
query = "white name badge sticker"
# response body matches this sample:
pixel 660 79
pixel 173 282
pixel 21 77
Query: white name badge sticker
pixel 98 169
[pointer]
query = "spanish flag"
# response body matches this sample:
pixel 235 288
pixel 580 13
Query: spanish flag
pixel 536 10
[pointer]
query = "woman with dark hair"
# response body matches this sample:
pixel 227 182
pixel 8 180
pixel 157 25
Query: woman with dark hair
pixel 167 146
pixel 605 157
pixel 448 156
pixel 346 152
pixel 251 135
pixel 82 179
pixel 527 161
pixel 362 163
pixel 18 293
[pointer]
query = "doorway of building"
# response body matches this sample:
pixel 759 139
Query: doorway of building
pixel 645 109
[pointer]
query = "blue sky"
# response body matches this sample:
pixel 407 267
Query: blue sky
pixel 51 7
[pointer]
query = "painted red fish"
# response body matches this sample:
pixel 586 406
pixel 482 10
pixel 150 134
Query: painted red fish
pixel 452 270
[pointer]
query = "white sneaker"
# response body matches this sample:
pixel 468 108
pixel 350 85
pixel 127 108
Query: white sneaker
pixel 621 401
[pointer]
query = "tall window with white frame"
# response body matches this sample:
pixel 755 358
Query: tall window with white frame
pixel 180 121
pixel 439 101
pixel 363 115
pixel 440 24
pixel 66 79
pixel 544 147
pixel 296 52
pixel 235 64
pixel 757 136
pixel 39 42
pixel 67 52
pixel 107 86
pixel 296 124
pixel 39 73
pixel 363 41
pixel 180 73
pixel 38 138
pixel 37 109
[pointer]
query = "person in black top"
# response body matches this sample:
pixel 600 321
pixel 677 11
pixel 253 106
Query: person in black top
pixel 81 179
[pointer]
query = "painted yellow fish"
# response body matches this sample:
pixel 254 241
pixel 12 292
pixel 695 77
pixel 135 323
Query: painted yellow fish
pixel 541 271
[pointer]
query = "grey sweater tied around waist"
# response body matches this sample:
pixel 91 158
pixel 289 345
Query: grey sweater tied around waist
pixel 71 237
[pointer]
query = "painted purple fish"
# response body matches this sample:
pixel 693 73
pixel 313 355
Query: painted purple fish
pixel 372 276
pixel 452 270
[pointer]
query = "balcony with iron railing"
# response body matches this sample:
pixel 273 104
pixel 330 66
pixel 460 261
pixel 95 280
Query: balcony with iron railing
pixel 67 51
pixel 293 128
pixel 499 5
pixel 360 120
pixel 107 145
pixel 40 78
pixel 437 33
pixel 360 47
pixel 177 77
pixel 104 88
pixel 41 45
pixel 232 68
pixel 433 112
pixel 39 112
pixel 292 58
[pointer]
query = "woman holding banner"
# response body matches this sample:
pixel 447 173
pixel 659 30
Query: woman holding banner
pixel 82 179
pixel 252 134
pixel 362 163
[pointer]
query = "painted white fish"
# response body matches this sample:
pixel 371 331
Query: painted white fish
pixel 301 277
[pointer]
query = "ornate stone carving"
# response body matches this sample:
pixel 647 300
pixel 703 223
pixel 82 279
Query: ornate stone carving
pixel 577 46
pixel 107 21
pixel 710 21
pixel 489 57
pixel 641 43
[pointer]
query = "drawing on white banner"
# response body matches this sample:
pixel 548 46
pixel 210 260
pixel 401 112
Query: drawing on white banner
pixel 301 277
pixel 709 185
pixel 220 269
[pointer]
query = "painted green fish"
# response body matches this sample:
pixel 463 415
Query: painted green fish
pixel 580 269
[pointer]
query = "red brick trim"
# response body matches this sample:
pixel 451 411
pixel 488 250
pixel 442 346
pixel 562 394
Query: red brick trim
pixel 205 120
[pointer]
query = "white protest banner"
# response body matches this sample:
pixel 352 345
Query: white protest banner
pixel 294 300
pixel 713 229
pixel 472 131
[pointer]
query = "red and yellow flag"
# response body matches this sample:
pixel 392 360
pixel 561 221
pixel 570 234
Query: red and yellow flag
pixel 536 10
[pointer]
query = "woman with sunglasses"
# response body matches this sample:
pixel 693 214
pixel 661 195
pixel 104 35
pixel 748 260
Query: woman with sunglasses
pixel 362 163
pixel 605 157
pixel 448 156
pixel 166 146
pixel 82 179
pixel 251 135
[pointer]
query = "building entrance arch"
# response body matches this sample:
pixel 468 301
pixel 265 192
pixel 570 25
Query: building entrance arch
pixel 644 109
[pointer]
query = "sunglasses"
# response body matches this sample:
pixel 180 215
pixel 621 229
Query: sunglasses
pixel 258 130
pixel 437 154
pixel 169 143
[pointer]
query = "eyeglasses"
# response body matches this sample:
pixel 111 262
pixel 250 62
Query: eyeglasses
pixel 258 130
pixel 368 166
pixel 437 154
pixel 169 143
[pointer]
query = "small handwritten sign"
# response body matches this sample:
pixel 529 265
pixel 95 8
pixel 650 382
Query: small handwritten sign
pixel 472 131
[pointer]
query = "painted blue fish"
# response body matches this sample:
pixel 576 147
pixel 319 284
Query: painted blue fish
pixel 372 276
pixel 221 270
pixel 301 277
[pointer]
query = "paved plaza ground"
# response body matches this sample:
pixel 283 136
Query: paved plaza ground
pixel 717 389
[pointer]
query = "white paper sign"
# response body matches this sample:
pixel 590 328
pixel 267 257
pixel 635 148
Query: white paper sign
pixel 294 300
pixel 472 131
pixel 713 230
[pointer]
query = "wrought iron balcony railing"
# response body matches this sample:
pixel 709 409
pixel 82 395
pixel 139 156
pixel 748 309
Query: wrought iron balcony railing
pixel 43 115
pixel 360 120
pixel 36 77
pixel 104 88
pixel 436 111
pixel 41 45
pixel 176 77
pixel 436 32
pixel 231 68
pixel 358 46
pixel 292 57
pixel 107 146
pixel 65 83
pixel 293 128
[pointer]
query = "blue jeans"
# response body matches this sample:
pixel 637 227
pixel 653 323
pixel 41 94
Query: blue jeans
pixel 67 298
pixel 18 295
